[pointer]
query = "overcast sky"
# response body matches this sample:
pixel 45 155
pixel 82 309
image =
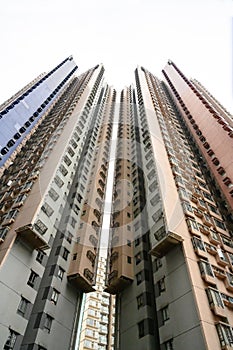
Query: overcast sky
pixel 196 34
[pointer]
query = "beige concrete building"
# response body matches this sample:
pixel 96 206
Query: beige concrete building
pixel 170 260
pixel 97 331
pixel 51 208
pixel 170 256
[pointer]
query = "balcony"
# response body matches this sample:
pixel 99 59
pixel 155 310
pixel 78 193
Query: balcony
pixel 166 241
pixel 220 273
pixel 222 258
pixel 81 282
pixel 213 237
pixel 207 220
pixel 229 281
pixel 193 227
pixel 116 283
pixel 228 302
pixel 196 193
pixel 204 229
pixel 206 272
pixel 216 302
pixel 35 240
pixel 201 205
pixel 199 213
pixel 208 278
pixel 194 199
pixel 218 310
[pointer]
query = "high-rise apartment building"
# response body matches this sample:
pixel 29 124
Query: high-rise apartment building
pixel 170 256
pixel 20 113
pixel 97 330
pixel 171 250
pixel 52 193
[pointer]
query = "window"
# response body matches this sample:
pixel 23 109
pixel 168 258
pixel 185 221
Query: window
pixel 214 297
pixel 198 243
pixel 92 312
pixel 47 209
pixel 187 206
pixel 65 254
pixel 138 258
pixel 3 233
pixel 93 240
pixel 157 215
pixel 139 277
pixel 90 332
pixel 128 243
pixel 231 258
pixel 93 323
pixel 11 340
pixel 72 222
pixel 151 174
pixel 91 256
pixel 141 329
pixel 54 296
pixel 12 214
pixel 225 334
pixel 207 196
pixel 32 278
pixel 22 306
pixel 157 264
pixel 213 208
pixel 48 323
pixel 207 219
pixel 53 194
pixel 20 198
pixel 73 143
pixel 129 259
pixel 140 301
pixel 230 278
pixel 219 224
pixel 40 256
pixel 40 227
pixel 60 273
pixel 27 185
pixel 89 344
pixel 205 268
pixel 165 314
pixel 70 151
pixel 155 200
pixel 161 285
pixel 183 193
pixel 67 160
pixel 222 255
pixel 63 170
pixel 69 237
pixel 227 241
pixel 58 181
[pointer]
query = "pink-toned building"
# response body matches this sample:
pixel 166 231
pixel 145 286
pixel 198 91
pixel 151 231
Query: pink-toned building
pixel 171 248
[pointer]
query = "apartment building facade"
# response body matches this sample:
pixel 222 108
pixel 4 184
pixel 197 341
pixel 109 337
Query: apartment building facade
pixel 52 193
pixel 170 256
pixel 170 253
pixel 97 331
pixel 20 113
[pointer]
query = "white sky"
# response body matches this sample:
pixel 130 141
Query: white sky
pixel 196 34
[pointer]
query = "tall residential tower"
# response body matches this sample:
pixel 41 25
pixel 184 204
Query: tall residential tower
pixel 170 256
pixel 52 193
